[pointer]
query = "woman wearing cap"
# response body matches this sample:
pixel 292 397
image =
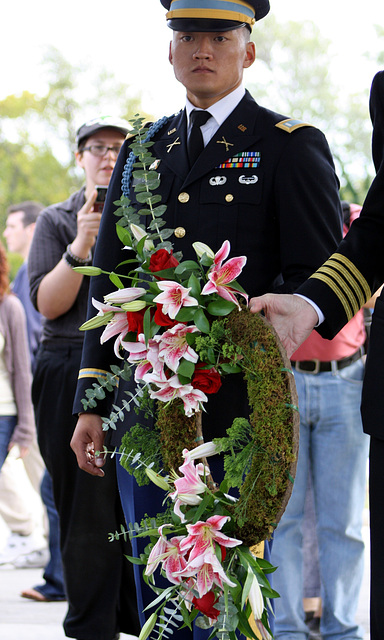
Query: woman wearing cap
pixel 98 581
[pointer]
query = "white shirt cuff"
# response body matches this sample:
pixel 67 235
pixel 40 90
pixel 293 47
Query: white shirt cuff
pixel 320 314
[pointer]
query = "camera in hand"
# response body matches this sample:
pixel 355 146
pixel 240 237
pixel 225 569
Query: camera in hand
pixel 101 195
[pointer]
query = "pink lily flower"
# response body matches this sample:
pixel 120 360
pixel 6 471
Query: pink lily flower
pixel 171 388
pixel 147 358
pixel 118 325
pixel 174 563
pixel 264 634
pixel 221 275
pixel 102 307
pixel 174 346
pixel 208 571
pixel 189 487
pixel 193 401
pixel 167 552
pixel 174 297
pixel 157 552
pixel 203 536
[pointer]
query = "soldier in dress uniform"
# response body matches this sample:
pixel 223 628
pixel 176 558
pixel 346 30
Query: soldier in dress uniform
pixel 263 181
pixel 336 292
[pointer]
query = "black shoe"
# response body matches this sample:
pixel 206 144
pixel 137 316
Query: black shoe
pixel 314 628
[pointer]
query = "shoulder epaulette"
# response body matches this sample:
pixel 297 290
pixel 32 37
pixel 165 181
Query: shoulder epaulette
pixel 291 124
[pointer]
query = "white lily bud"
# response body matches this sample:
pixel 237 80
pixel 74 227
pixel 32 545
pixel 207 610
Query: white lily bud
pixel 125 295
pixel 139 234
pixel 202 248
pixel 157 479
pixel 135 305
pixel 256 599
pixel 203 451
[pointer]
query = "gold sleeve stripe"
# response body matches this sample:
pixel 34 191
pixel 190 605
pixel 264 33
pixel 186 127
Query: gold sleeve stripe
pixel 346 281
pixel 92 373
pixel 348 311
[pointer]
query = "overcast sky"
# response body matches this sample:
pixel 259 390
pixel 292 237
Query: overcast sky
pixel 131 38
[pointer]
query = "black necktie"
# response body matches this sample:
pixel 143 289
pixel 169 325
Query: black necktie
pixel 195 140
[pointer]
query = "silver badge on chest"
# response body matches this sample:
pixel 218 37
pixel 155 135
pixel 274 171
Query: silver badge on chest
pixel 248 179
pixel 217 180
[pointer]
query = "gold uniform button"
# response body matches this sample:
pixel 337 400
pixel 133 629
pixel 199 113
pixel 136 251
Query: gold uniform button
pixel 229 197
pixel 183 197
pixel 180 232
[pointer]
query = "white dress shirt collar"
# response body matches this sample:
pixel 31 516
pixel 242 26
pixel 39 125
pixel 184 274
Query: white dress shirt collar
pixel 221 109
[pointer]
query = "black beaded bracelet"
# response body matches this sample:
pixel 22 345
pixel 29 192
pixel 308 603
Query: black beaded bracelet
pixel 75 261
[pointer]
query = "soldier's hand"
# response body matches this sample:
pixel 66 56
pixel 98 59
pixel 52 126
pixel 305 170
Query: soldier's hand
pixel 292 317
pixel 87 441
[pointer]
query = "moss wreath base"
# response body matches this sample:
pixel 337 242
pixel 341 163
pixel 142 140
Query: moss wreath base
pixel 273 437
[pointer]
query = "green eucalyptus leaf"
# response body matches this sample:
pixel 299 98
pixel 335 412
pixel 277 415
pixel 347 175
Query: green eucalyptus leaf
pixel 144 197
pixel 160 210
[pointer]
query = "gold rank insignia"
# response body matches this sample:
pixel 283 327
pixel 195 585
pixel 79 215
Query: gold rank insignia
pixel 290 125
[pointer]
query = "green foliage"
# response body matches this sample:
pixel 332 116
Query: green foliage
pixel 294 62
pixel 144 442
pixel 37 133
pixel 239 449
pixel 15 261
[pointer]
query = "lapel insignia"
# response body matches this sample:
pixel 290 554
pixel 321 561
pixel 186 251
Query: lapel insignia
pixel 243 160
pixel 227 144
pixel 172 131
pixel 154 164
pixel 172 144
pixel 217 180
pixel 242 127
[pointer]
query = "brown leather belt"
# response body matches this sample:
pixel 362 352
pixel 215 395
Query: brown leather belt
pixel 316 366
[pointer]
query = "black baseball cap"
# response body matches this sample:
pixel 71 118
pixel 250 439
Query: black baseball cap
pixel 101 122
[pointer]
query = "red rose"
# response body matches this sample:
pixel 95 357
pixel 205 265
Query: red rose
pixel 161 260
pixel 207 380
pixel 163 320
pixel 135 320
pixel 205 605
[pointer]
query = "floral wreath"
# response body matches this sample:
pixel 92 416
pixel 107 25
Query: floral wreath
pixel 182 326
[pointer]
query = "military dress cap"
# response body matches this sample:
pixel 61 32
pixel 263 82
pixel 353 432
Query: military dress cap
pixel 213 15
pixel 102 122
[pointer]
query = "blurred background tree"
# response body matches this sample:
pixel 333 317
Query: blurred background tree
pixel 37 133
pixel 291 76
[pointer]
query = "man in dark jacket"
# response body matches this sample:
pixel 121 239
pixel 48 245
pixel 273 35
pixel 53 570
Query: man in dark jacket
pixel 333 294
pixel 263 181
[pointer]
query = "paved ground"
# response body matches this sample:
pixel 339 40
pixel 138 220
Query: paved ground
pixel 22 619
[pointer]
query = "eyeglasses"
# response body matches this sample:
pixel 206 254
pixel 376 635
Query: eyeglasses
pixel 101 150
